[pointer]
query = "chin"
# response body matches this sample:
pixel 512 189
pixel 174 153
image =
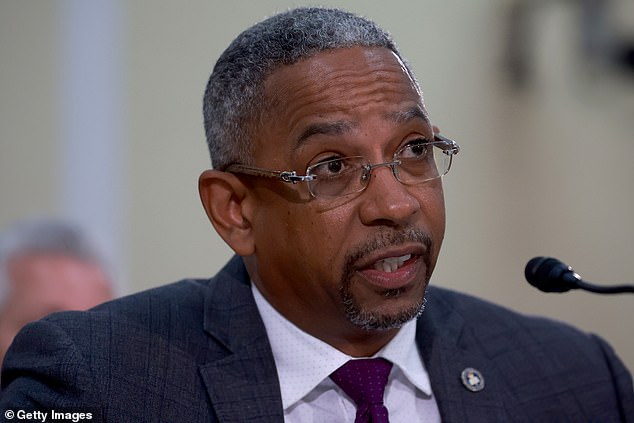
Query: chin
pixel 392 314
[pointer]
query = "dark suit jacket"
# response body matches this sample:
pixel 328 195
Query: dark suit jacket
pixel 197 351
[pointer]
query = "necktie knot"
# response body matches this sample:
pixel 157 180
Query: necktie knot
pixel 364 381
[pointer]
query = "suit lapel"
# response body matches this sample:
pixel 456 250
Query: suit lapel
pixel 242 382
pixel 448 347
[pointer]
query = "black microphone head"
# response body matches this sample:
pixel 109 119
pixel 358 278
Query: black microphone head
pixel 550 275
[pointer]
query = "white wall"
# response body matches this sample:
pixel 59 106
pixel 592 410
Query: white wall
pixel 547 172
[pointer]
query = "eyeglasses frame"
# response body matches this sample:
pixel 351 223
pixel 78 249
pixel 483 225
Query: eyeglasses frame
pixel 291 176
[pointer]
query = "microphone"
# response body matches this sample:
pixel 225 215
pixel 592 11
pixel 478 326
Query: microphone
pixel 551 275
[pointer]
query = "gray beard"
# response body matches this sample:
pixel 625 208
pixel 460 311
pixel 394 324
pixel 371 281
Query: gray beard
pixel 370 320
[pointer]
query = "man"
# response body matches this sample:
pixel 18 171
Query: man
pixel 46 266
pixel 326 184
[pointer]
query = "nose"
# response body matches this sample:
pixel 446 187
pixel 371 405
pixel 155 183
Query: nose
pixel 386 201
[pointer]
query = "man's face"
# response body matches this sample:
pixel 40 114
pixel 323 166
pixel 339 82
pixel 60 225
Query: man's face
pixel 40 284
pixel 346 266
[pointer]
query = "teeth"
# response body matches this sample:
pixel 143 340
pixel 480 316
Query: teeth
pixel 391 264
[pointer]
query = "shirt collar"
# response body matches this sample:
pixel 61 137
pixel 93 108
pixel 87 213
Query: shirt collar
pixel 303 361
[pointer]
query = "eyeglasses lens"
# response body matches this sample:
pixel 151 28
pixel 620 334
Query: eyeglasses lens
pixel 413 164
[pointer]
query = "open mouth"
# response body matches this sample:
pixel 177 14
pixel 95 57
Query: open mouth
pixel 391 261
pixel 394 272
pixel 391 264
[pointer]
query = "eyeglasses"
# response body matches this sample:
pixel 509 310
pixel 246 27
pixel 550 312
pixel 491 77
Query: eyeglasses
pixel 417 162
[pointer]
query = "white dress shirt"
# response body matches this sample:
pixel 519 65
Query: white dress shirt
pixel 304 363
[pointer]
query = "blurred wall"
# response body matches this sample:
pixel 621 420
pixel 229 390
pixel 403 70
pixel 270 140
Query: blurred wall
pixel 543 171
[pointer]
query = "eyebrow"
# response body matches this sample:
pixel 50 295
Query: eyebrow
pixel 404 116
pixel 324 128
pixel 342 126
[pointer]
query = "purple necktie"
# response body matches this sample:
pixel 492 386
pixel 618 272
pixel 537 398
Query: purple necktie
pixel 364 382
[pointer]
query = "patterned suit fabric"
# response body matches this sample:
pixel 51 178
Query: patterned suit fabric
pixel 197 351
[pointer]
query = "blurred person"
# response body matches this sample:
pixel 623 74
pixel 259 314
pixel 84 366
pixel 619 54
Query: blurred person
pixel 46 266
pixel 327 185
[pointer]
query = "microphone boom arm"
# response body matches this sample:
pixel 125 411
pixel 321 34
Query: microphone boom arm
pixel 612 289
pixel 551 275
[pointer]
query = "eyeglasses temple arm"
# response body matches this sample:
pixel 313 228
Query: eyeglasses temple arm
pixel 283 175
pixel 454 147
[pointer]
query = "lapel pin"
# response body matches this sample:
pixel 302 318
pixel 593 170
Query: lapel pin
pixel 472 379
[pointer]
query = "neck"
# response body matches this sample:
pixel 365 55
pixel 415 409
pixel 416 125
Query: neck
pixel 366 345
pixel 343 335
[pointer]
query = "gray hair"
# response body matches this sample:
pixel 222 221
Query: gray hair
pixel 234 101
pixel 43 236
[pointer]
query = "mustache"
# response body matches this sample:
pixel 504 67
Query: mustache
pixel 388 239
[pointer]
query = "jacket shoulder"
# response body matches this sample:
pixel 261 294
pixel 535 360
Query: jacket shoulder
pixel 136 357
pixel 487 316
pixel 537 365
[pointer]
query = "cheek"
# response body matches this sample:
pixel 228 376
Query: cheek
pixel 433 207
pixel 320 236
pixel 436 209
pixel 300 255
pixel 320 241
pixel 295 238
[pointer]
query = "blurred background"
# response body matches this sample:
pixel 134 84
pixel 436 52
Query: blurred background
pixel 101 124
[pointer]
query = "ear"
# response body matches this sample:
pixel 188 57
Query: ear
pixel 436 129
pixel 223 196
